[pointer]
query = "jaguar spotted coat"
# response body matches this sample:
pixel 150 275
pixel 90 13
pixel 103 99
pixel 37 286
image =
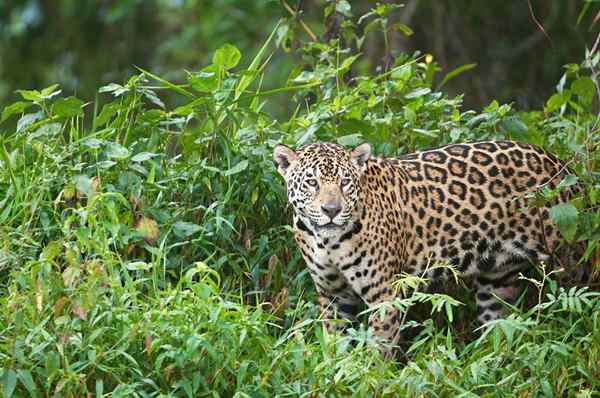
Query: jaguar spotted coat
pixel 360 221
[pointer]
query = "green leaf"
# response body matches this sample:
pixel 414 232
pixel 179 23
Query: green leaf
pixel 565 216
pixel 9 382
pixel 142 156
pixel 418 93
pixel 205 81
pixel 116 151
pixel 68 107
pixel 515 127
pixel 52 250
pixel 241 166
pixel 83 184
pixel 28 119
pixel 184 229
pixel 227 56
pixel 27 381
pixel 556 101
pixel 400 27
pixel 585 88
pixel 247 79
pixel 30 95
pixel 455 72
pixel 107 112
pixel 14 109
pixel 344 8
pixel 350 140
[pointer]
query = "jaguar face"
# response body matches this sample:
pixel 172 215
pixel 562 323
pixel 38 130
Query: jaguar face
pixel 323 183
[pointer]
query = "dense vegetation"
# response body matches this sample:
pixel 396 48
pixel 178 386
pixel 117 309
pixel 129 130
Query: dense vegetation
pixel 145 248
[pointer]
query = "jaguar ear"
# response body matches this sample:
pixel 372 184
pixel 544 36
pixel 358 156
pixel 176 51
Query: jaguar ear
pixel 361 154
pixel 284 157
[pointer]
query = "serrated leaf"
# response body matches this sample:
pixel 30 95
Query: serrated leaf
pixel 565 216
pixel 227 57
pixel 68 107
pixel 241 166
pixel 184 229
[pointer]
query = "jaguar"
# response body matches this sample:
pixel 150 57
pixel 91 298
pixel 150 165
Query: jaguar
pixel 360 221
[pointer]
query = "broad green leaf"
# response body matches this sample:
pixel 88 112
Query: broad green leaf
pixel 565 216
pixel 227 57
pixel 241 166
pixel 350 140
pixel 9 382
pixel 83 184
pixel 556 101
pixel 50 91
pixel 14 109
pixel 344 8
pixel 569 180
pixel 418 93
pixel 92 143
pixel 515 127
pixel 142 156
pixel 30 95
pixel 184 229
pixel 116 151
pixel 28 119
pixel 67 107
pixel 205 81
pixel 584 87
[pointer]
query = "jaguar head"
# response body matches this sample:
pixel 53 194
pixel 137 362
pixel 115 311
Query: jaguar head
pixel 323 183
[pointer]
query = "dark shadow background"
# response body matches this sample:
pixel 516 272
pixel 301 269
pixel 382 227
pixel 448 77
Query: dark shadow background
pixel 83 44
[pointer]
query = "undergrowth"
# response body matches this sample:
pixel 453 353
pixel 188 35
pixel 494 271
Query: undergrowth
pixel 145 249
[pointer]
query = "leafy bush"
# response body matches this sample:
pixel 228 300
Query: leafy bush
pixel 145 249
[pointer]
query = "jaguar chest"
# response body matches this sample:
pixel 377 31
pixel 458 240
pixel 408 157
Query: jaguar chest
pixel 340 261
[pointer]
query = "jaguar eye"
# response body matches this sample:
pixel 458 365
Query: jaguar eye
pixel 312 182
pixel 345 181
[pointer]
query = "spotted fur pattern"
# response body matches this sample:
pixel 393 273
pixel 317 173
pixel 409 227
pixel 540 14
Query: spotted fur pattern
pixel 360 221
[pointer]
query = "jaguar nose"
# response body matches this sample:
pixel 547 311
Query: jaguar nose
pixel 331 209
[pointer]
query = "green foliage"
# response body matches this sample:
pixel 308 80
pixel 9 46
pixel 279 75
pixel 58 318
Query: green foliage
pixel 144 247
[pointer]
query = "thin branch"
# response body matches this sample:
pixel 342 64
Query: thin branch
pixel 294 14
pixel 539 25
